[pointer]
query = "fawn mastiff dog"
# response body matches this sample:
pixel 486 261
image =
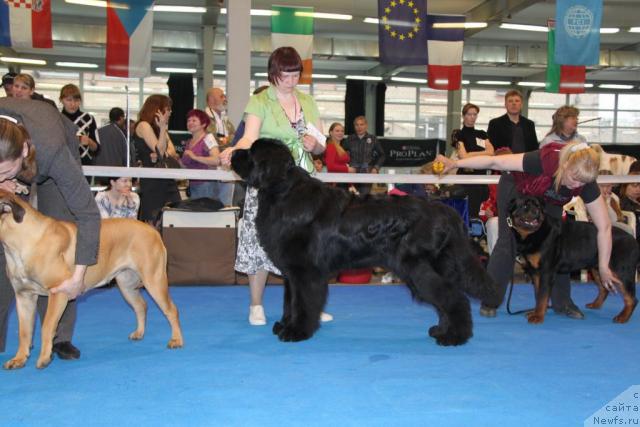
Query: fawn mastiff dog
pixel 40 254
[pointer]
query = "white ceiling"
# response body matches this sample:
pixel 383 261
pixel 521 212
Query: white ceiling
pixel 617 13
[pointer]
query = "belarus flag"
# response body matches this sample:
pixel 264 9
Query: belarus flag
pixel 293 26
pixel 562 78
pixel 129 36
pixel 444 47
pixel 25 23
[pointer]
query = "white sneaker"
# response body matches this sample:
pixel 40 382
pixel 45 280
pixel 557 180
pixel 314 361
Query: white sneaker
pixel 325 317
pixel 256 315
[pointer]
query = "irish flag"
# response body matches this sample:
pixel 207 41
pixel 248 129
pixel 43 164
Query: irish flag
pixel 129 36
pixel 293 26
pixel 562 78
pixel 25 23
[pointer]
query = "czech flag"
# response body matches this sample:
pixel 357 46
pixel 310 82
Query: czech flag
pixel 25 23
pixel 445 42
pixel 129 36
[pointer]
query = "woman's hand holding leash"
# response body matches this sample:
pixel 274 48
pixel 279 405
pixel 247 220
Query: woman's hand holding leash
pixel 609 280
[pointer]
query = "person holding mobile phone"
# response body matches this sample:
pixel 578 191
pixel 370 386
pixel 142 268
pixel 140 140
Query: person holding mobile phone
pixel 153 146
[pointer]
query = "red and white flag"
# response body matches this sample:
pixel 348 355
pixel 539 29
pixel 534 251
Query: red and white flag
pixel 445 42
pixel 25 23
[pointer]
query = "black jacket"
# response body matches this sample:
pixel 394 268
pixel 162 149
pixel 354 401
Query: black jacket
pixel 500 133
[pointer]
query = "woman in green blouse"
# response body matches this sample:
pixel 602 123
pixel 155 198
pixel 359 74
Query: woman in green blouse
pixel 281 112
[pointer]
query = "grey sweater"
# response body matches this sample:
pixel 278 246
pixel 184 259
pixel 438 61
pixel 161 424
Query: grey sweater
pixel 63 191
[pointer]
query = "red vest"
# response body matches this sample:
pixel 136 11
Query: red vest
pixel 543 185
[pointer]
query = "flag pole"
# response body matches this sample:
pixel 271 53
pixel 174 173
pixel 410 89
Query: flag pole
pixel 126 88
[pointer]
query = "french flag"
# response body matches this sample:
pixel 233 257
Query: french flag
pixel 129 36
pixel 444 46
pixel 25 23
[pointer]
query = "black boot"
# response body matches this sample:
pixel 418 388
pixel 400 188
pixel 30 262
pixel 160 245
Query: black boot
pixel 65 350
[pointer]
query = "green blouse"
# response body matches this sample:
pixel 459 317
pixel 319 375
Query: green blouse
pixel 275 123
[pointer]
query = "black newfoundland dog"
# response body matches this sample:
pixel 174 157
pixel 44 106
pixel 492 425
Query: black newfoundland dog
pixel 550 246
pixel 311 230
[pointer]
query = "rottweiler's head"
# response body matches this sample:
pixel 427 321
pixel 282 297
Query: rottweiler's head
pixel 526 214
pixel 9 204
pixel 265 164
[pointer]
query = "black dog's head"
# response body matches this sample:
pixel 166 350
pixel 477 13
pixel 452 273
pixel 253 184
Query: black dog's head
pixel 526 214
pixel 266 163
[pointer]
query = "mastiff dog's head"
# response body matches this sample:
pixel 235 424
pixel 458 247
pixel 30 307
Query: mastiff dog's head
pixel 265 164
pixel 526 214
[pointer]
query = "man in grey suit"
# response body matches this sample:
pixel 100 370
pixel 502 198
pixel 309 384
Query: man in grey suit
pixel 63 193
pixel 113 141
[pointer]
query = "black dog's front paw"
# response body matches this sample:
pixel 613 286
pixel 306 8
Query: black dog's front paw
pixel 448 337
pixel 436 331
pixel 293 334
pixel 277 327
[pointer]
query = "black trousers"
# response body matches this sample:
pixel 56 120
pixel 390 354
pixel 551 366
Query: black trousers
pixel 503 257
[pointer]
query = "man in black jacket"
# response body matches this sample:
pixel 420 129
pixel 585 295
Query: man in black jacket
pixel 513 130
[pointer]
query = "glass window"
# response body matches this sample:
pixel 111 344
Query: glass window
pixel 593 101
pixel 547 100
pixel 629 102
pixel 329 97
pixel 400 111
pixel 627 136
pixel 432 121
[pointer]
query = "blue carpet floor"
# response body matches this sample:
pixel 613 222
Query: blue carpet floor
pixel 373 366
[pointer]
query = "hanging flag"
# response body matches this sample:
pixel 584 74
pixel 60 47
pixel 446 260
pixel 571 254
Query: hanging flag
pixel 293 26
pixel 445 47
pixel 578 32
pixel 562 78
pixel 129 36
pixel 25 23
pixel 402 38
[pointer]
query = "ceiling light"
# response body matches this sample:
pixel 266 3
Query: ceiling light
pixel 264 12
pixel 634 30
pixel 522 27
pixel 372 78
pixel 175 70
pixel 76 64
pixel 23 60
pixel 466 82
pixel 179 9
pixel 465 25
pixel 219 72
pixel 609 30
pixel 408 80
pixel 588 85
pixel 324 76
pixel 260 75
pixel 531 84
pixel 98 3
pixel 614 86
pixel 322 15
pixel 254 12
pixel 376 21
pixel 494 82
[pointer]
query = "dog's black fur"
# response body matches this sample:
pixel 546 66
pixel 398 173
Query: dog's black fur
pixel 552 246
pixel 311 230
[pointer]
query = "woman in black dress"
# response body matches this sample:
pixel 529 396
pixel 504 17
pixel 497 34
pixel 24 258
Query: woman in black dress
pixel 153 146
pixel 471 142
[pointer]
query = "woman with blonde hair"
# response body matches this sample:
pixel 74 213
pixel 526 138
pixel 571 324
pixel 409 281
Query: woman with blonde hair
pixel 565 126
pixel 554 173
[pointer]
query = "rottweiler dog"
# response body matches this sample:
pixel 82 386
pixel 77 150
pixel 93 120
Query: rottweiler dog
pixel 551 246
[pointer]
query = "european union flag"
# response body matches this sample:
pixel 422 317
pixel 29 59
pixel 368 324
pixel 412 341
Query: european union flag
pixel 578 32
pixel 402 32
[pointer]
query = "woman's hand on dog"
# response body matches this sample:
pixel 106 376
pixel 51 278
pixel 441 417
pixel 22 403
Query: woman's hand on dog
pixel 74 285
pixel 609 280
pixel 225 156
